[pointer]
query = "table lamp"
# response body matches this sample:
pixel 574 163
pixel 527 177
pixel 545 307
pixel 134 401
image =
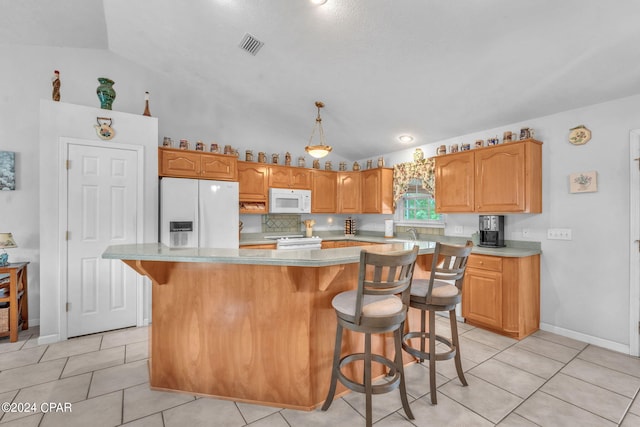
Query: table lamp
pixel 6 241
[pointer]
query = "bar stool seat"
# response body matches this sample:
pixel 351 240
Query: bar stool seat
pixel 442 291
pixel 379 305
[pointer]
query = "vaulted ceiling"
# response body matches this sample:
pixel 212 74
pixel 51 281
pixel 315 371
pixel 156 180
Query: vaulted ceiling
pixel 431 68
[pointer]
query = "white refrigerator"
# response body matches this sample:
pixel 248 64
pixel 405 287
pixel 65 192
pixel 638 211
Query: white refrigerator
pixel 198 213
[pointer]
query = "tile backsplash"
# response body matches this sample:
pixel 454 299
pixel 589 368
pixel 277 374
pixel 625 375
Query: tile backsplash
pixel 281 223
pixel 421 230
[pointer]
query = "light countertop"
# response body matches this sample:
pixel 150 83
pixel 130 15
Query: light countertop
pixel 300 258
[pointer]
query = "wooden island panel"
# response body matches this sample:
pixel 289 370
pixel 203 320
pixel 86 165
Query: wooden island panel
pixel 252 333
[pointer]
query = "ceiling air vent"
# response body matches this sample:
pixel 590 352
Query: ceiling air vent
pixel 250 44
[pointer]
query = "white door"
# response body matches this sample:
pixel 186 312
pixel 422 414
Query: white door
pixel 102 206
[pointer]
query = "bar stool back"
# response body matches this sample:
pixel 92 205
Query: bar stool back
pixel 441 292
pixel 379 305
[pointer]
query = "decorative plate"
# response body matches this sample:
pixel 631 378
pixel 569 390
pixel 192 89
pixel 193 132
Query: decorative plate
pixel 579 135
pixel 104 129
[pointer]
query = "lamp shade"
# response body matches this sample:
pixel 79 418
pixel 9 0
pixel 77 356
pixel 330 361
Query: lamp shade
pixel 318 151
pixel 6 241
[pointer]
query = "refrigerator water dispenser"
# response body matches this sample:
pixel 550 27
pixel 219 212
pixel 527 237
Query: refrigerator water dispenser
pixel 181 234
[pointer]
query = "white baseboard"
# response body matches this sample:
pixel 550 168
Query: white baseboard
pixel 611 345
pixel 48 339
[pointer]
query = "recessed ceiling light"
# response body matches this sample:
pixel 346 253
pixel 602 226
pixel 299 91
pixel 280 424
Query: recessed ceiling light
pixel 405 138
pixel 318 2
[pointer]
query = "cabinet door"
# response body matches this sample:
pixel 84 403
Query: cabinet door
pixel 279 177
pixel 454 183
pixel 218 167
pixel 377 191
pixel 482 297
pixel 300 178
pixel 324 186
pixel 253 181
pixel 349 192
pixel 177 163
pixel 500 184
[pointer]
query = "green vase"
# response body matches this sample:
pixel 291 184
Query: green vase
pixel 106 93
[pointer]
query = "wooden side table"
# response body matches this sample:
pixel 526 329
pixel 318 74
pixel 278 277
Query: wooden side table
pixel 17 298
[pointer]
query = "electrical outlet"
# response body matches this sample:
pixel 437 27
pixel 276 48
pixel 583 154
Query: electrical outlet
pixel 559 234
pixel 458 229
pixel 526 232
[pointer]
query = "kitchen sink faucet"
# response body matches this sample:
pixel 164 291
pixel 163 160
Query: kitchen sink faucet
pixel 414 233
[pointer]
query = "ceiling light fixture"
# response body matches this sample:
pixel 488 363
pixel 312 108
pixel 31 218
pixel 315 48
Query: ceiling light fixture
pixel 405 138
pixel 321 149
pixel 318 2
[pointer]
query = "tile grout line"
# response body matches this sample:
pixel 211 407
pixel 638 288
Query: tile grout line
pixel 539 389
pixel 626 411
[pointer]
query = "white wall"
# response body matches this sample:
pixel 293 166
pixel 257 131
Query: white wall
pixel 26 80
pixel 585 281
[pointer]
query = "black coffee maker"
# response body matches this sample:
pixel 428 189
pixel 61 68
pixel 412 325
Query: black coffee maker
pixel 492 231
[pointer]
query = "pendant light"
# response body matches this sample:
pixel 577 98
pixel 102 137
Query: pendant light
pixel 321 149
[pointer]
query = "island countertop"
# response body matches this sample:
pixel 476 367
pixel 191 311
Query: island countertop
pixel 295 258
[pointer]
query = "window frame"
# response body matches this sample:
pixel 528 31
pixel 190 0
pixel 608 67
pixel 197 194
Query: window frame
pixel 416 186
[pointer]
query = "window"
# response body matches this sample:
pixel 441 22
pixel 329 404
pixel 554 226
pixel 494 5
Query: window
pixel 418 207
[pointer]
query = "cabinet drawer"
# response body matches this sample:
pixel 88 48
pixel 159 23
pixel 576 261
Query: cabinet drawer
pixel 485 262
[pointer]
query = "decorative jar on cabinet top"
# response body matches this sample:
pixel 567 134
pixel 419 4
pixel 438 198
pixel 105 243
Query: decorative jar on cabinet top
pixel 106 93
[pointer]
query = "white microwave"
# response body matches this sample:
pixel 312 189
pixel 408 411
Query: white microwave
pixel 285 200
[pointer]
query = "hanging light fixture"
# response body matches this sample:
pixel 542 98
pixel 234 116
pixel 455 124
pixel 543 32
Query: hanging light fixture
pixel 321 149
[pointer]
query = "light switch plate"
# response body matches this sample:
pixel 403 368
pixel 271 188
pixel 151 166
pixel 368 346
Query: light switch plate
pixel 559 234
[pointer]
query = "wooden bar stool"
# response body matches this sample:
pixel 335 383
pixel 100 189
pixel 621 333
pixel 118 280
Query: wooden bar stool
pixel 379 305
pixel 441 292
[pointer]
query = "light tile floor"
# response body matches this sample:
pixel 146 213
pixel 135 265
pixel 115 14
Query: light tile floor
pixel 543 380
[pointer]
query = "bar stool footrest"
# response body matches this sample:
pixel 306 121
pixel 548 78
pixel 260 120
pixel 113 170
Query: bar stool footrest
pixel 392 379
pixel 424 355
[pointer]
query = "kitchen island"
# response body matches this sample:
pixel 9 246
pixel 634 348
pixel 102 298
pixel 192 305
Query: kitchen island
pixel 253 325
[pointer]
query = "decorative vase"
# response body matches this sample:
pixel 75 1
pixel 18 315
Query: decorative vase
pixel 106 93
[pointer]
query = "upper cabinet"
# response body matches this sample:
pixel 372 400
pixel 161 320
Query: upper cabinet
pixel 195 164
pixel 289 177
pixel 349 192
pixel 324 187
pixel 505 178
pixel 253 181
pixel 377 191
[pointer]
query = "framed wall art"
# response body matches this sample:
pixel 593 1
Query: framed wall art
pixel 583 182
pixel 7 170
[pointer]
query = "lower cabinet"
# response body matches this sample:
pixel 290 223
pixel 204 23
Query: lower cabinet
pixel 502 294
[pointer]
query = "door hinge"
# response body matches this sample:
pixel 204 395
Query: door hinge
pixel 68 307
pixel 67 164
pixel 67 235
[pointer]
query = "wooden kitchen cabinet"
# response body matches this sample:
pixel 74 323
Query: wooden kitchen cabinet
pixel 324 188
pixel 454 176
pixel 377 191
pixel 194 164
pixel 289 177
pixel 505 178
pixel 502 294
pixel 253 183
pixel 349 192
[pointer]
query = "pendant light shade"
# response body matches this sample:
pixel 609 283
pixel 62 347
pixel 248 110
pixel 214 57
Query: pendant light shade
pixel 322 149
